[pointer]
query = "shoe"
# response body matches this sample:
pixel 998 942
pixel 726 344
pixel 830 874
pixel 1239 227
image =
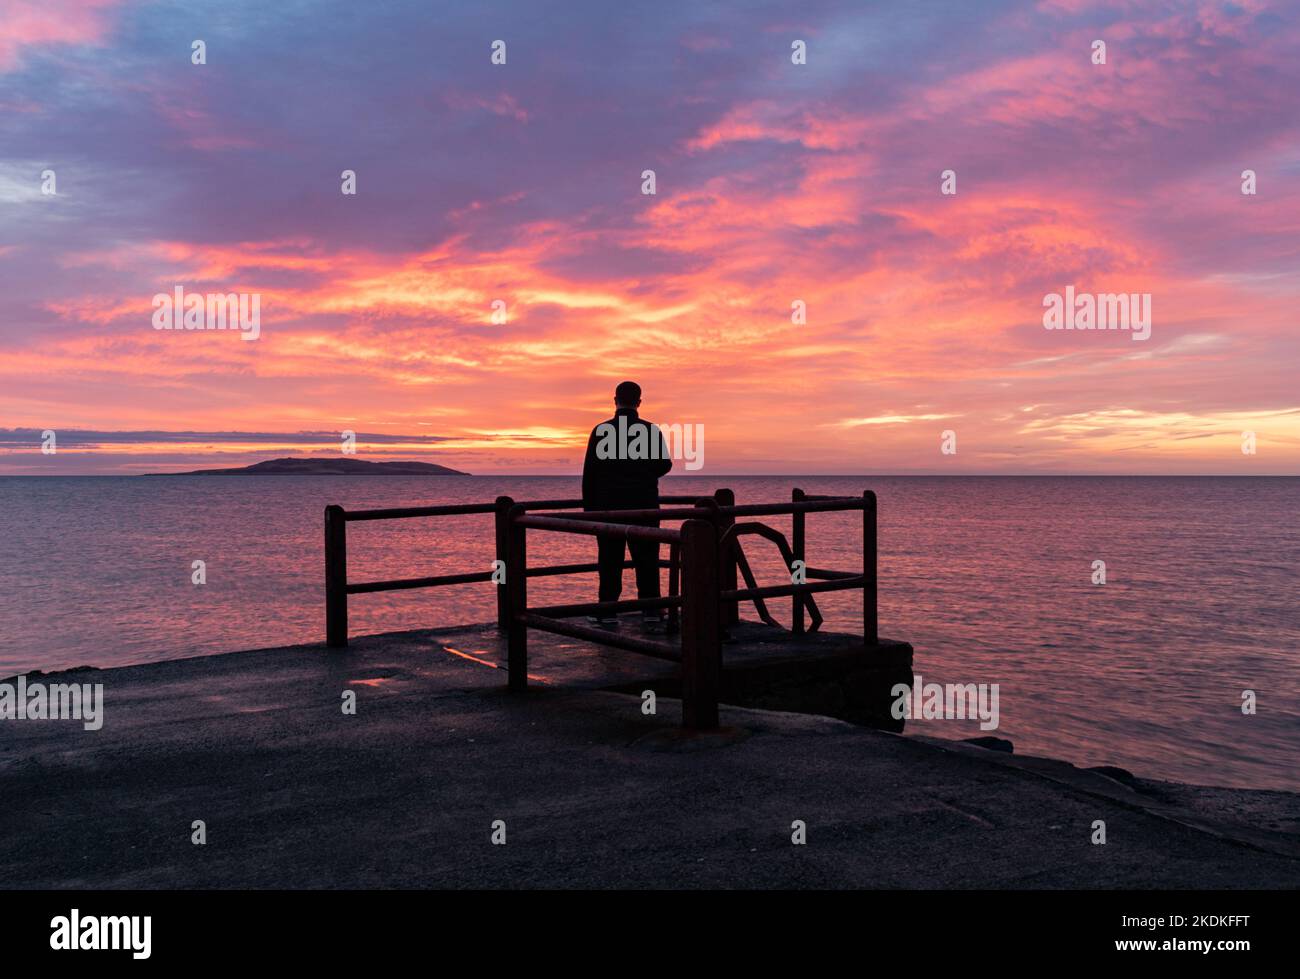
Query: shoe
pixel 652 621
pixel 602 620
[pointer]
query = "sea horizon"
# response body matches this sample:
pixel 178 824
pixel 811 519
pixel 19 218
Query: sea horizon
pixel 910 474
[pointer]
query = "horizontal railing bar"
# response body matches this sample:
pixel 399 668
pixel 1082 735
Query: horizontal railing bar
pixel 398 583
pixel 593 528
pixel 827 504
pixel 775 591
pixel 613 516
pixel 823 573
pixel 647 647
pixel 609 608
pixel 457 509
pixel 582 568
pixel 471 577
pixel 578 504
pixel 820 498
pixel 398 513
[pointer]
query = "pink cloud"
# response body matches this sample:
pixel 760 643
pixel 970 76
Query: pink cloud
pixel 41 23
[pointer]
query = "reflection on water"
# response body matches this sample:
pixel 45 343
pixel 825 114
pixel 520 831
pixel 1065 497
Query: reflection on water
pixel 989 578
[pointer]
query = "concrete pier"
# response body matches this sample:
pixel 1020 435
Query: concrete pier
pixel 592 792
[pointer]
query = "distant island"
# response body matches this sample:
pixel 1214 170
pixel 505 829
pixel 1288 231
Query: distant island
pixel 342 466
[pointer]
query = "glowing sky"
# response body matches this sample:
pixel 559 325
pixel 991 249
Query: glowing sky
pixel 776 182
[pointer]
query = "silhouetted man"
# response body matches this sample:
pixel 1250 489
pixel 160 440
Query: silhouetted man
pixel 625 458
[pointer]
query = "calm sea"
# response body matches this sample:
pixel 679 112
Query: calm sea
pixel 989 578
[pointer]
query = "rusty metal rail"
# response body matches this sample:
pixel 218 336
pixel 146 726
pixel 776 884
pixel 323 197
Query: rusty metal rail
pixel 338 587
pixel 705 556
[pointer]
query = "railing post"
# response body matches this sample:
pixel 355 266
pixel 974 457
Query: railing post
pixel 504 503
pixel 799 547
pixel 710 503
pixel 517 593
pixel 870 609
pixel 701 649
pixel 727 567
pixel 674 621
pixel 336 577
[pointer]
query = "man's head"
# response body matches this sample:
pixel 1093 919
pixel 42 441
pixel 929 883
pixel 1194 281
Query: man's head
pixel 627 395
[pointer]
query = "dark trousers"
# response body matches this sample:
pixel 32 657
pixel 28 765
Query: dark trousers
pixel 645 555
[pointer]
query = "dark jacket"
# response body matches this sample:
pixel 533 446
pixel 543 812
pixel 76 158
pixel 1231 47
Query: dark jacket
pixel 622 483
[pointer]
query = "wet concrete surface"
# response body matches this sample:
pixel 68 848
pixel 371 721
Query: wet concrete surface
pixel 593 792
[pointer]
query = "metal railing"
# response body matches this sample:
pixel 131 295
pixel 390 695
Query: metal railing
pixel 338 587
pixel 704 558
